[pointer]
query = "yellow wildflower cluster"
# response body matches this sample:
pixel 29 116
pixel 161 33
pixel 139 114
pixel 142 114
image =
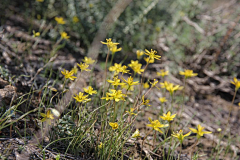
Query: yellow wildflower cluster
pixel 130 82
pixel 145 102
pixel 88 60
pixel 199 131
pixel 236 82
pixel 112 46
pixel 131 111
pixel 115 95
pixel 80 97
pixel 170 87
pixel 156 125
pixel 168 117
pixel 36 34
pixel 188 73
pixel 47 117
pixel 60 20
pixel 162 99
pixel 115 82
pixel 179 135
pixel 136 67
pixel 68 75
pixel 64 35
pixel 162 73
pixel 113 125
pixel 83 66
pixel 117 68
pixel 136 134
pixel 152 55
pixel 75 19
pixel 139 54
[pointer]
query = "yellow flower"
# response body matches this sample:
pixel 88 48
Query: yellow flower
pixel 199 131
pixel 170 87
pixel 164 84
pixel 236 83
pixel 82 98
pixel 117 68
pixel 156 125
pixel 179 135
pixel 162 99
pixel 91 5
pixel 125 86
pixel 38 16
pixel 133 64
pixel 115 82
pixel 154 83
pixel 88 60
pixel 136 67
pixel 68 75
pixel 83 67
pixel 60 20
pixel 47 117
pixel 75 19
pixel 130 82
pixel 239 105
pixel 136 134
pixel 162 73
pixel 131 111
pixel 90 90
pixel 36 34
pixel 188 73
pixel 64 35
pixel 148 60
pixel 124 69
pixel 114 49
pixel 100 145
pixel 40 0
pixel 152 55
pixel 139 54
pixel 146 85
pixel 109 43
pixel 113 125
pixel 74 70
pixel 168 117
pixel 115 95
pixel 145 102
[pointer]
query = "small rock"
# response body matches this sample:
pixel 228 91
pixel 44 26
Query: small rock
pixel 6 94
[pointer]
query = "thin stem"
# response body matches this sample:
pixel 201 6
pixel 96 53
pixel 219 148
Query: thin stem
pixel 105 75
pixel 179 155
pixel 110 145
pixel 230 110
pixel 144 140
pixel 183 98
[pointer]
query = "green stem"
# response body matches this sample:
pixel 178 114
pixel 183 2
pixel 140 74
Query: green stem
pixel 183 98
pixel 105 75
pixel 110 146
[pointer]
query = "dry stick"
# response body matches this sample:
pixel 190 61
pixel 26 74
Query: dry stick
pixel 106 25
pixel 195 25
